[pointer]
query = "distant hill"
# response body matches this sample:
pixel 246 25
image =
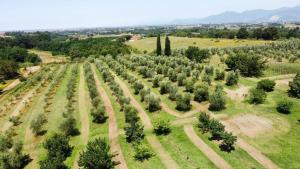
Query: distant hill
pixel 253 16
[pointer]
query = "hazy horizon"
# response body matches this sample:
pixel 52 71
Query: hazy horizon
pixel 34 14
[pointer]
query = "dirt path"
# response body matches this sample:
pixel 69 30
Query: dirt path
pixel 18 109
pixel 83 112
pixel 12 85
pixel 257 155
pixel 209 152
pixel 238 94
pixel 153 141
pixel 113 128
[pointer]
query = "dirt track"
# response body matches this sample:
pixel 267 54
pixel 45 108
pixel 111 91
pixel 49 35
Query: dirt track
pixel 165 157
pixel 83 112
pixel 113 128
pixel 209 152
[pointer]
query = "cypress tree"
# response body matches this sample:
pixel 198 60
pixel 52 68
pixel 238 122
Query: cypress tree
pixel 158 46
pixel 168 47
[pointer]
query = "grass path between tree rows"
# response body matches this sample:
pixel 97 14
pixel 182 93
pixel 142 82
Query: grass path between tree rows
pixel 113 128
pixel 83 112
pixel 165 157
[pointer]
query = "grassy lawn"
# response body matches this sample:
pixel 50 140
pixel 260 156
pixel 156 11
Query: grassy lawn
pixel 183 151
pixel 149 44
pixel 234 158
pixel 281 145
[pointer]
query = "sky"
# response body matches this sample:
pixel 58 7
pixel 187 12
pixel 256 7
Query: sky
pixel 59 14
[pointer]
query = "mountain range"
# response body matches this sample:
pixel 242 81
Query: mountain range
pixel 285 14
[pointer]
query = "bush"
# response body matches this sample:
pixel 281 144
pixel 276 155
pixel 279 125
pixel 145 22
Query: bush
pixel 248 64
pixel 37 124
pixel 201 93
pixel 181 79
pixel 6 142
pixel 68 127
pixel 142 152
pixel 162 128
pixel 143 93
pixel 196 54
pixel 266 85
pixel 257 96
pixel 131 114
pixel 217 129
pixel 97 155
pixel 156 80
pixel 137 86
pixel 189 86
pixel 98 114
pixel 232 78
pixel 164 87
pixel 206 79
pixel 228 141
pixel 220 75
pixel 284 107
pixel 217 100
pixel 58 146
pixel 153 103
pixel 134 132
pixel 294 90
pixel 15 120
pixel 173 92
pixel 183 103
pixel 204 122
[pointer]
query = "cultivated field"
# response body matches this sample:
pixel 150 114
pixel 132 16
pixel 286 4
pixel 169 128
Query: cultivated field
pixel 148 109
pixel 148 44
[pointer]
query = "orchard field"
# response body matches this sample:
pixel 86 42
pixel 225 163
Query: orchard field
pixel 237 107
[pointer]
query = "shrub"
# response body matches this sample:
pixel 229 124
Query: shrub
pixel 137 86
pixel 164 87
pixel 15 120
pixel 68 127
pixel 266 85
pixel 37 124
pixel 162 128
pixel 183 102
pixel 189 86
pixel 217 100
pixel 209 70
pixel 220 75
pixel 97 155
pixel 257 96
pixel 98 114
pixel 204 122
pixel 58 146
pixel 197 54
pixel 181 79
pixel 134 132
pixel 6 142
pixel 217 129
pixel 228 141
pixel 131 114
pixel 284 107
pixel 232 78
pixel 206 79
pixel 156 80
pixel 173 92
pixel 201 93
pixel 153 103
pixel 142 152
pixel 143 93
pixel 294 90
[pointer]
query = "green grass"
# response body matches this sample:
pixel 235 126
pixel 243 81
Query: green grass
pixel 127 149
pixel 282 68
pixel 234 158
pixel 183 151
pixel 281 145
pixel 149 44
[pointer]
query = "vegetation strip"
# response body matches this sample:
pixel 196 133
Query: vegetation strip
pixel 84 117
pixel 154 142
pixel 209 152
pixel 113 128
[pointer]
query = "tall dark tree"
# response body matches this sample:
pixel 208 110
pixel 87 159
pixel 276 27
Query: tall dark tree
pixel 168 47
pixel 158 46
pixel 243 33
